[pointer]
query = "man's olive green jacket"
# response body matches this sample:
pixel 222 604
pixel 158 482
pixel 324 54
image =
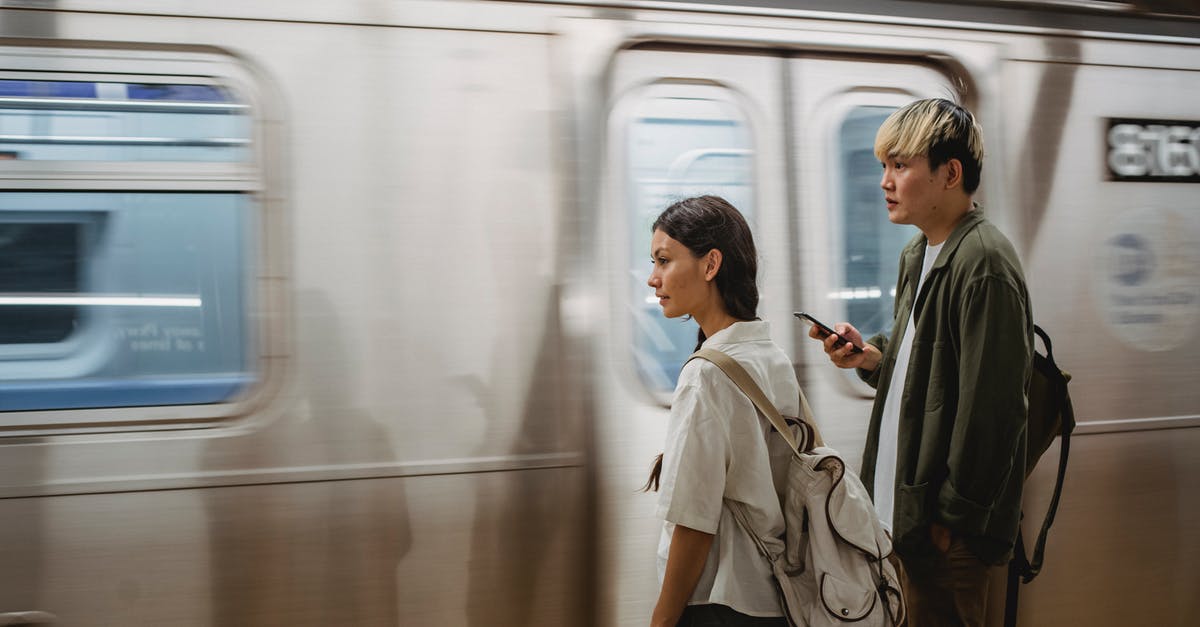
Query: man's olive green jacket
pixel 960 457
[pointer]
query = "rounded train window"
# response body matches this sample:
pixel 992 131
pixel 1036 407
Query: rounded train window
pixel 868 250
pixel 681 141
pixel 129 233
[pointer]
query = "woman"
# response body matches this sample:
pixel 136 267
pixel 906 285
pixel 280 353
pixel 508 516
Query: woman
pixel 711 572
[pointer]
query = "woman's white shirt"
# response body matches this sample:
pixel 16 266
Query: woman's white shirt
pixel 716 450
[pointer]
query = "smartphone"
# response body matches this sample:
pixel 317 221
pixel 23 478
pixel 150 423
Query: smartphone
pixel 825 331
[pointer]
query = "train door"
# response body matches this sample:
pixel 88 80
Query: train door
pixel 680 123
pixel 787 138
pixel 848 251
pixel 1112 238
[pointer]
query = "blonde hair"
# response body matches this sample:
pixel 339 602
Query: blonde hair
pixel 938 130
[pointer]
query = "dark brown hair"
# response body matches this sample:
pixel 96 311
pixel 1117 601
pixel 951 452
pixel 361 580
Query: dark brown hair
pixel 702 224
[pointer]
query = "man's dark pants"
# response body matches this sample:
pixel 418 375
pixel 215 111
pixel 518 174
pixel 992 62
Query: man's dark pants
pixel 948 590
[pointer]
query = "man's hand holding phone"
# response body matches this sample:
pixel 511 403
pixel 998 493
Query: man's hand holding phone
pixel 843 343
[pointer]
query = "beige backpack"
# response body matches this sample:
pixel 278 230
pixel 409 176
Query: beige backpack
pixel 831 564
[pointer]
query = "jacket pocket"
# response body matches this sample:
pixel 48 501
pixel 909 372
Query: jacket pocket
pixel 911 516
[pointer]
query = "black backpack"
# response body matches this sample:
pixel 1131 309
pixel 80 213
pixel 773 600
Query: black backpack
pixel 1050 415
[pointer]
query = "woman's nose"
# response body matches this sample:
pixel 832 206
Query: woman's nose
pixel 652 279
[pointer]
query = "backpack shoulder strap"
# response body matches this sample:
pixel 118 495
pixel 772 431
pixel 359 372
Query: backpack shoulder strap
pixel 746 384
pixel 1067 414
pixel 1021 569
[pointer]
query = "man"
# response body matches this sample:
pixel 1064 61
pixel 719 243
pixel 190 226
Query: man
pixel 945 453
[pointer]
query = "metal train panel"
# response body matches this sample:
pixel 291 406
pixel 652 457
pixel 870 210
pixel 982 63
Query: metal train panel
pixel 457 385
pixel 413 376
pixel 499 548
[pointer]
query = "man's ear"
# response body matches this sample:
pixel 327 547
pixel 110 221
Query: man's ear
pixel 954 173
pixel 712 263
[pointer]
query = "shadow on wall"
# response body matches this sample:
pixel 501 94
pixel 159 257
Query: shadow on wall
pixel 316 553
pixel 527 552
pixel 22 536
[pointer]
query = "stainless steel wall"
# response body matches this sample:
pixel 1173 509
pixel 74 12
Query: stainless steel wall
pixel 450 428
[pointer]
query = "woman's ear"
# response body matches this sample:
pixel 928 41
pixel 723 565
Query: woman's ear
pixel 712 263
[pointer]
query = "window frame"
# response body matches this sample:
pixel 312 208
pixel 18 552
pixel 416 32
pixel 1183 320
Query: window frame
pixel 262 280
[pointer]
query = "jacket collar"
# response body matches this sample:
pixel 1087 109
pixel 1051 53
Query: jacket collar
pixel 968 222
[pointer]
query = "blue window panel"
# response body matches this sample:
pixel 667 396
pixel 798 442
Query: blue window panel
pixel 47 89
pixel 177 93
pixel 65 121
pixel 133 91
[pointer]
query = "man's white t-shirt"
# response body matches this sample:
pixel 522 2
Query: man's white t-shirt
pixel 889 427
pixel 716 450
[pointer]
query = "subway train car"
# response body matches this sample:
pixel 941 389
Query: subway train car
pixel 334 313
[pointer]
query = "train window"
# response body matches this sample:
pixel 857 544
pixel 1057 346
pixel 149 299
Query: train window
pixel 870 245
pixel 113 121
pixel 682 141
pixel 132 284
pixel 138 300
pixel 38 255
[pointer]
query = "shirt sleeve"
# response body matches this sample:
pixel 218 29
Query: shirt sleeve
pixel 994 365
pixel 695 461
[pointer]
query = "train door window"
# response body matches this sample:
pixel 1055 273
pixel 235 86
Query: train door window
pixel 682 141
pixel 129 233
pixel 851 249
pixel 869 259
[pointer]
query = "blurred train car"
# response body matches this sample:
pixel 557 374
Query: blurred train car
pixel 322 313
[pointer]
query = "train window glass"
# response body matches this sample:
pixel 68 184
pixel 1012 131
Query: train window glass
pixel 124 299
pixel 679 145
pixel 113 121
pixel 870 245
pixel 129 238
pixel 38 256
